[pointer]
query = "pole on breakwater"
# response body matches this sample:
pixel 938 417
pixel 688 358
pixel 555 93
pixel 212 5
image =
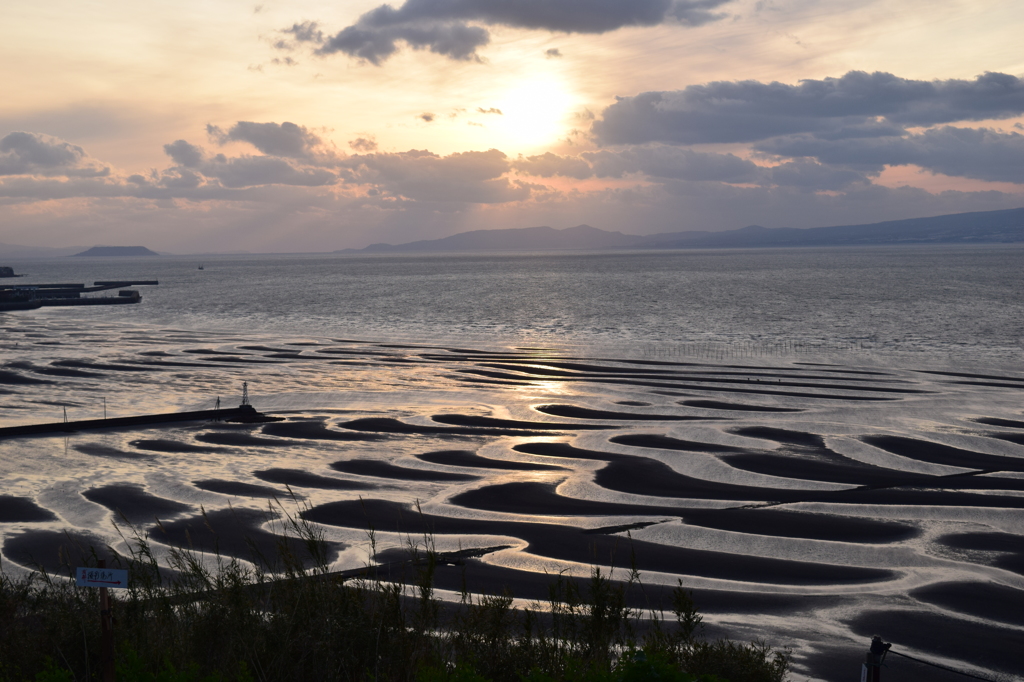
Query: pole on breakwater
pixel 871 671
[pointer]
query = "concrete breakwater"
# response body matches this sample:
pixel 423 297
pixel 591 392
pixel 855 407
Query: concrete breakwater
pixel 243 413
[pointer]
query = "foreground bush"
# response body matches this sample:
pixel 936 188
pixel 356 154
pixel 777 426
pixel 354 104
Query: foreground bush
pixel 246 622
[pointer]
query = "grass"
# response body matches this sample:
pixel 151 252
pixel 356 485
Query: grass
pixel 289 618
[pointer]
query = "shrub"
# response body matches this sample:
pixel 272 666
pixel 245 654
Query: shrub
pixel 291 619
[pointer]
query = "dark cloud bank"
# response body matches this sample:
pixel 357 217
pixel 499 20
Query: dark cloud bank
pixel 856 105
pixel 455 28
pixel 860 121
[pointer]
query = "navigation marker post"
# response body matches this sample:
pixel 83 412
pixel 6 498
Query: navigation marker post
pixel 871 670
pixel 104 578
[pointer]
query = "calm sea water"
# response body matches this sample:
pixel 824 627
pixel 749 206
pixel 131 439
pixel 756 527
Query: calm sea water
pixel 940 302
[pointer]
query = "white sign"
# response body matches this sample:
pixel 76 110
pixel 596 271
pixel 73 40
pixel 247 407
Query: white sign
pixel 863 672
pixel 101 577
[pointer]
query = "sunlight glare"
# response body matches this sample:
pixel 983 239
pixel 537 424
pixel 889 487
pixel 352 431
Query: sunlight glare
pixel 535 112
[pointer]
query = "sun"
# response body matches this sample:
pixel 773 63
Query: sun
pixel 534 113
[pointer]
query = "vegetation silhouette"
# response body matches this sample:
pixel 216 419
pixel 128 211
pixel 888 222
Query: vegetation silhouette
pixel 210 619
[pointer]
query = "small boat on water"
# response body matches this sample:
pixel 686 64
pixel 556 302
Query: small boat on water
pixel 200 266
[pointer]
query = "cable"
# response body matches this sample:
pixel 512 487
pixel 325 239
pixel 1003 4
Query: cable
pixel 942 667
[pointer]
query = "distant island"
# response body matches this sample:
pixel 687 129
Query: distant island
pixel 6 271
pixel 981 227
pixel 117 251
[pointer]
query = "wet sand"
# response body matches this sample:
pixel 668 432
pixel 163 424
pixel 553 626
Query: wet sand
pixel 569 544
pixel 296 478
pixel 1008 548
pixel 649 477
pixel 980 600
pixel 314 430
pixel 369 467
pixel 468 420
pixel 240 489
pixel 607 440
pixel 236 532
pixel 56 552
pixel 133 504
pixel 100 450
pixel 530 499
pixel 241 440
pixel 576 412
pixel 936 453
pixel 387 425
pixel 171 446
pixel 648 440
pixel 482 578
pixel 738 407
pixel 931 634
pixel 471 460
pixel 22 510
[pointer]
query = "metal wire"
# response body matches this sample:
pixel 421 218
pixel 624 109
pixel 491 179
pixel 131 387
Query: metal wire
pixel 942 667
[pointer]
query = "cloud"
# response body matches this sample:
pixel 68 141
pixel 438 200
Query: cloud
pixel 274 139
pixel 673 163
pixel 395 179
pixel 422 176
pixel 979 153
pixel 857 104
pixel 659 162
pixel 30 160
pixel 548 165
pixel 194 167
pixel 456 41
pixel 181 178
pixel 427 116
pixel 305 32
pixel 809 176
pixel 364 144
pixel 552 52
pixel 442 26
pixel 492 110
pixel 250 171
pixel 696 12
pixel 184 154
pixel 24 153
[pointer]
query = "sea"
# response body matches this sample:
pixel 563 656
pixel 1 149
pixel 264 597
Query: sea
pixel 822 444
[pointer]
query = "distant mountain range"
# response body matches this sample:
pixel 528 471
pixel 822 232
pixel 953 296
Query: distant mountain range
pixel 15 251
pixel 980 227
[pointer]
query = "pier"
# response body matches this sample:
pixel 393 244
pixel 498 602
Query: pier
pixel 31 296
pixel 245 414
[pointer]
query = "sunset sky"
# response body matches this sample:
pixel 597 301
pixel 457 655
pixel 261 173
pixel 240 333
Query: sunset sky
pixel 199 126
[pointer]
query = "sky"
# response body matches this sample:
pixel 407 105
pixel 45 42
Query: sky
pixel 200 126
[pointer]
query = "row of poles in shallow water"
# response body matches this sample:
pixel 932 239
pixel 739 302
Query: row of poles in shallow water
pixel 752 349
